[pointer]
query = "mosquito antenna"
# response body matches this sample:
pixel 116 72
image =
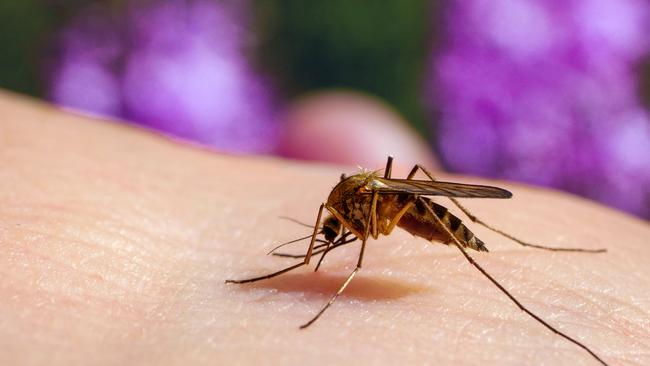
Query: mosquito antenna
pixel 296 221
pixel 289 242
pixel 503 289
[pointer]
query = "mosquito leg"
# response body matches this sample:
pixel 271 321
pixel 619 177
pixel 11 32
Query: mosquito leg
pixel 291 242
pixel 287 255
pixel 373 208
pixel 503 233
pixel 471 260
pixel 330 249
pixel 345 284
pixel 319 246
pixel 338 243
pixel 329 303
pixel 322 257
pixel 389 167
pixel 304 262
pixel 318 249
pixel 271 275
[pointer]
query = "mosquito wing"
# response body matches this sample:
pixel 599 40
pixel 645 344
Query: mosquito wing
pixel 437 188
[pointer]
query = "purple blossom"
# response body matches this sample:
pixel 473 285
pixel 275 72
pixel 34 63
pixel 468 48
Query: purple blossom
pixel 176 66
pixel 545 92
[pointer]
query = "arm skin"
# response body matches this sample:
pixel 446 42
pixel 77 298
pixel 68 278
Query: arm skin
pixel 115 244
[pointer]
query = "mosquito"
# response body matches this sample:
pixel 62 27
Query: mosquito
pixel 366 205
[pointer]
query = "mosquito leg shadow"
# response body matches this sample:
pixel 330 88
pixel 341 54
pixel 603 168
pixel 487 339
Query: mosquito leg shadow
pixel 500 232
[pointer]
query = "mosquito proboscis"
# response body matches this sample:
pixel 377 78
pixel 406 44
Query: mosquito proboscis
pixel 366 205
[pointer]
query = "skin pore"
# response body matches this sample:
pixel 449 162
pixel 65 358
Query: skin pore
pixel 115 244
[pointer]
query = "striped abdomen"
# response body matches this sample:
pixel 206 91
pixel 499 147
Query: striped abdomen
pixel 418 220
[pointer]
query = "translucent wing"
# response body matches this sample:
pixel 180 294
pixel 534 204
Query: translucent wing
pixel 437 188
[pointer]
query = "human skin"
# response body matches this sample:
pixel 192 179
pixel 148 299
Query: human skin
pixel 115 244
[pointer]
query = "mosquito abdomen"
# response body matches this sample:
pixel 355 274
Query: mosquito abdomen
pixel 418 220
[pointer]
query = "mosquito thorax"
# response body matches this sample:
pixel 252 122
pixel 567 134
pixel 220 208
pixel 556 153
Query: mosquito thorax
pixel 350 186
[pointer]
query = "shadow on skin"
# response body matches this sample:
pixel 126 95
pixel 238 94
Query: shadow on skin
pixel 325 285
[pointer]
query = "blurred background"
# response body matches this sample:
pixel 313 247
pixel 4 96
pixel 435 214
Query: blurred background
pixel 548 92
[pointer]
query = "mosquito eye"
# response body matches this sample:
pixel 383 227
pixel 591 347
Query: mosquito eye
pixel 329 234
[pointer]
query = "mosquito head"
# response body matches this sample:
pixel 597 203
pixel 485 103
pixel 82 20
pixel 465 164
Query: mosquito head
pixel 331 228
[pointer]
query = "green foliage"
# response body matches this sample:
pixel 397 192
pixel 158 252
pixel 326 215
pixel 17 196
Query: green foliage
pixel 24 26
pixel 379 47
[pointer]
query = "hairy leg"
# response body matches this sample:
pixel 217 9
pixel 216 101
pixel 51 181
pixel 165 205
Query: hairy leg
pixel 498 231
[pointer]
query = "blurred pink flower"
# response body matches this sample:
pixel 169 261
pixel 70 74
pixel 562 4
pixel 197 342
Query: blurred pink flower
pixel 177 66
pixel 545 92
